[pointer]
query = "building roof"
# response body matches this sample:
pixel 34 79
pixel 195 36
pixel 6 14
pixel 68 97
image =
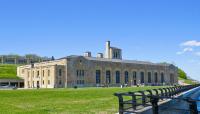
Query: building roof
pixel 115 48
pixel 118 60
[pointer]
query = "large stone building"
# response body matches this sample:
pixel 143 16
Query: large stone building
pixel 104 70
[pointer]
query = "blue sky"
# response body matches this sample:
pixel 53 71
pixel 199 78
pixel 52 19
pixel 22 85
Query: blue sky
pixel 156 30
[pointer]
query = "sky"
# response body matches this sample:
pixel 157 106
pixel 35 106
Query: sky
pixel 156 30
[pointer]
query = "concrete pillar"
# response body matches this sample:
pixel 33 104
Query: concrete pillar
pixel 18 84
pixel 8 83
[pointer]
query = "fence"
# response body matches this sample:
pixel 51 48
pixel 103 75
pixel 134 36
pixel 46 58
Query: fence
pixel 131 102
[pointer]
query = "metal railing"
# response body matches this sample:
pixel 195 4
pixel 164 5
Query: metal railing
pixel 133 101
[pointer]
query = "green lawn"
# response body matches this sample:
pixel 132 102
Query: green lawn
pixel 62 101
pixel 8 71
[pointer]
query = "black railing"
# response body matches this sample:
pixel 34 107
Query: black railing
pixel 134 101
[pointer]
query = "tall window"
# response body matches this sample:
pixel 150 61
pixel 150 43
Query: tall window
pixel 43 73
pixel 134 75
pixel 48 72
pixel 117 77
pixel 162 78
pixel 80 76
pixel 149 77
pixel 126 77
pixel 38 73
pixel 60 72
pixel 82 72
pixel 142 77
pixel 98 76
pixel 77 73
pixel 108 79
pixel 171 78
pixel 156 77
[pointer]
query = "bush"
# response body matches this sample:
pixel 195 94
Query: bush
pixel 75 87
pixel 182 74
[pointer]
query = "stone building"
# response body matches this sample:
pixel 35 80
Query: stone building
pixel 88 71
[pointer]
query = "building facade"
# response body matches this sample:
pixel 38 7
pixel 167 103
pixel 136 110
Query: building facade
pixel 88 71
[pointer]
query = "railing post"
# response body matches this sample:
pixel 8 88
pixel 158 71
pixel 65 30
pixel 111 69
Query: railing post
pixel 169 92
pixel 165 94
pixel 162 94
pixel 154 102
pixel 121 104
pixel 143 98
pixel 133 100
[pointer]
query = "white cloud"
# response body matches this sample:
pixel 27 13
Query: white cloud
pixel 191 43
pixel 187 49
pixel 184 50
pixel 179 53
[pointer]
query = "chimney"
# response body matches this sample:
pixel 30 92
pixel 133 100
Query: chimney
pixel 87 54
pixel 99 55
pixel 107 53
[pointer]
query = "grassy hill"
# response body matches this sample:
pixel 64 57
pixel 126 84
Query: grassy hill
pixel 8 71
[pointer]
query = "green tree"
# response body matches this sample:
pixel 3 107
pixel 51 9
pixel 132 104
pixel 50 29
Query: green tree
pixel 182 74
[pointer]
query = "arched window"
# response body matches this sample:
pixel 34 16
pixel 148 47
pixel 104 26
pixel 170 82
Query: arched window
pixel 156 77
pixel 134 78
pixel 162 78
pixel 60 72
pixel 134 75
pixel 126 77
pixel 108 79
pixel 142 77
pixel 98 76
pixel 171 78
pixel 149 77
pixel 117 77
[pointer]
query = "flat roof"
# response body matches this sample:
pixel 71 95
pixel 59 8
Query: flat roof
pixel 118 60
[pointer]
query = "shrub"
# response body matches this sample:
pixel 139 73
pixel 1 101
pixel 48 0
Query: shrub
pixel 75 87
pixel 182 74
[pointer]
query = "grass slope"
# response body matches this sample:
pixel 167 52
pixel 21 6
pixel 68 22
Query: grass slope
pixel 62 101
pixel 8 71
pixel 187 81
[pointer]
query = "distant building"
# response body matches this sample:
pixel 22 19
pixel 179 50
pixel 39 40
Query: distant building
pixel 27 59
pixel 19 83
pixel 104 70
